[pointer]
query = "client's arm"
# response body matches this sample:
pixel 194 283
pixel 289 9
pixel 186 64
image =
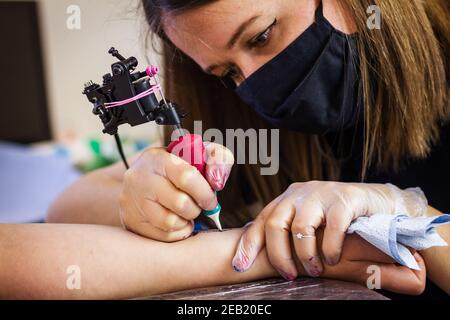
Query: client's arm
pixel 116 264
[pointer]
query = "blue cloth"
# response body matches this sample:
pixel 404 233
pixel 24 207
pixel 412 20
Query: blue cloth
pixel 30 182
pixel 392 234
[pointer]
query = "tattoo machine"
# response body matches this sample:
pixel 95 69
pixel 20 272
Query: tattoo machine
pixel 132 97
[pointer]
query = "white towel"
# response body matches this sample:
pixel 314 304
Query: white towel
pixel 392 234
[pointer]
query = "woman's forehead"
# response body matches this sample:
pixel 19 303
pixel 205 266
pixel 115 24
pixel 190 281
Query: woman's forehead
pixel 211 25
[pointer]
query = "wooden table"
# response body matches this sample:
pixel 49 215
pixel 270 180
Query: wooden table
pixel 301 289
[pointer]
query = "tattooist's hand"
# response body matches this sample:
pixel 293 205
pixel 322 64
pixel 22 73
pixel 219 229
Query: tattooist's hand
pixel 295 215
pixel 163 194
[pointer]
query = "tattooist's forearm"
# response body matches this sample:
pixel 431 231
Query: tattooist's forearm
pixel 93 199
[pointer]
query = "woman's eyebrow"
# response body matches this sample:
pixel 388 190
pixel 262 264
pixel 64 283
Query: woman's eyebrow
pixel 239 32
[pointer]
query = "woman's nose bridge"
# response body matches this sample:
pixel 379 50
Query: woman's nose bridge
pixel 247 65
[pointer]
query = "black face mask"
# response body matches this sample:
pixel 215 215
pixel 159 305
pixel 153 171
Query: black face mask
pixel 312 86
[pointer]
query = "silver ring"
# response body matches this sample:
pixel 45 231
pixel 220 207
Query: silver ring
pixel 300 236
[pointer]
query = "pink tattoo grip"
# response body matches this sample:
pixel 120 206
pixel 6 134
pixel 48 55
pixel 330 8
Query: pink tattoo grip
pixel 191 149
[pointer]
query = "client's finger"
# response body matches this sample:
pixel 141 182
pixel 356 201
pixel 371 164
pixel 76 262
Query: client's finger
pixel 403 280
pixel 389 276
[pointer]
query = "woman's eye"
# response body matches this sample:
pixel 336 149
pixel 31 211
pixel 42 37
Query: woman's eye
pixel 263 38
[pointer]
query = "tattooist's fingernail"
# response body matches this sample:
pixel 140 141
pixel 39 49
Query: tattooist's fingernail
pixel 313 273
pixel 248 225
pixel 314 268
pixel 218 176
pixel 241 262
pixel 288 276
pixel 332 261
pixel 244 257
pixel 212 204
pixel 192 223
pixel 237 269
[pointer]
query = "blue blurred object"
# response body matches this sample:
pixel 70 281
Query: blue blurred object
pixel 30 182
pixel 199 226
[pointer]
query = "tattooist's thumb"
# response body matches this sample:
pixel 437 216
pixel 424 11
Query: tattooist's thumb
pixel 251 243
pixel 219 162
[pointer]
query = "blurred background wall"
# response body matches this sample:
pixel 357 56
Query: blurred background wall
pixel 48 134
pixel 72 56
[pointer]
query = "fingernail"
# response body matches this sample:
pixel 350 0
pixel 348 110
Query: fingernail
pixel 332 261
pixel 237 269
pixel 288 276
pixel 314 268
pixel 212 205
pixel 313 273
pixel 218 176
pixel 242 261
pixel 248 225
pixel 192 223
